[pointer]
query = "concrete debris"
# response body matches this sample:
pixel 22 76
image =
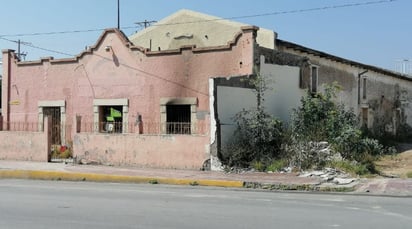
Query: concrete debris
pixel 343 181
pixel 286 170
pixel 330 175
pixel 84 161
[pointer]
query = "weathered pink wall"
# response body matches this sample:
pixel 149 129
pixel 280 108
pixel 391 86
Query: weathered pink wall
pixel 126 71
pixel 122 72
pixel 162 151
pixel 26 146
pixel 23 146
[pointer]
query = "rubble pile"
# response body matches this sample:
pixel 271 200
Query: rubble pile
pixel 330 175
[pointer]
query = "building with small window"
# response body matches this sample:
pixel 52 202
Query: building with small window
pixel 166 96
pixel 122 104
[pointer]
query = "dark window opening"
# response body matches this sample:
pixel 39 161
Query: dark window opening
pixel 178 119
pixel 301 74
pixel 314 79
pixel 364 88
pixel 110 119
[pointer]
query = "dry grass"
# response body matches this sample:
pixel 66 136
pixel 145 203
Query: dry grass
pixel 399 164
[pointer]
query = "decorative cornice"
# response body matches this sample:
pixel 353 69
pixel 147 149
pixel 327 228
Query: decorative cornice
pixel 126 42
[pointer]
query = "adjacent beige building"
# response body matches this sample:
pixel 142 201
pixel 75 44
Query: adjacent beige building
pixel 187 27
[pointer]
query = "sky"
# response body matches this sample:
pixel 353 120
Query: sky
pixel 373 32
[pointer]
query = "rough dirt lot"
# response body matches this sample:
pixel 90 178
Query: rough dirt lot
pixel 398 165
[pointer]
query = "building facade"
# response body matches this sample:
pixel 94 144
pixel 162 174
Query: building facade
pixel 118 103
pixel 165 96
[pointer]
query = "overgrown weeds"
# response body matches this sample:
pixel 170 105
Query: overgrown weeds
pixel 258 135
pixel 269 166
pixel 277 165
pixel 321 133
pixel 350 167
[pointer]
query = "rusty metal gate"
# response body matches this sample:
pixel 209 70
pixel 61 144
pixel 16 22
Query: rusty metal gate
pixel 54 113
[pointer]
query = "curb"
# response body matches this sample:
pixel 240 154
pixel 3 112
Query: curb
pixel 300 187
pixel 94 177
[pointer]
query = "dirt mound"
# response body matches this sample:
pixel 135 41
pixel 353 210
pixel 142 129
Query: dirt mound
pixel 398 165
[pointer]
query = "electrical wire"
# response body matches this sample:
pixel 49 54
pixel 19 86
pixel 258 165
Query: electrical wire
pixel 122 64
pixel 37 47
pixel 148 74
pixel 59 32
pixel 316 9
pixel 210 20
pixel 166 24
pixel 285 12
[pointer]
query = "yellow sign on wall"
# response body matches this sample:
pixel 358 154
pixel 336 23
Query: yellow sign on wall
pixel 14 102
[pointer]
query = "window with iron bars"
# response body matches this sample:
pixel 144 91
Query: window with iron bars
pixel 110 119
pixel 178 119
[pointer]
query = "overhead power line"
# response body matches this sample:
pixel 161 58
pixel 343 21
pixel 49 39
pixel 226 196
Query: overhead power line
pixel 323 8
pixel 146 74
pixel 2 37
pixel 286 12
pixel 317 9
pixel 36 47
pixel 50 50
pixel 58 32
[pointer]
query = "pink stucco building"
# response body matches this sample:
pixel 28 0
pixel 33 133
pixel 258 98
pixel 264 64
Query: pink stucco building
pixel 122 104
pixel 166 96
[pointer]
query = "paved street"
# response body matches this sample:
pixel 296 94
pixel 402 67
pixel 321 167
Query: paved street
pixel 58 204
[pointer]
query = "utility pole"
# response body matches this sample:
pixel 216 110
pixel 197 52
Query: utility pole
pixel 18 48
pixel 19 53
pixel 145 23
pixel 118 14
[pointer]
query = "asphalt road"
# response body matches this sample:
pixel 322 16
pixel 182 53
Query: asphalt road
pixel 56 204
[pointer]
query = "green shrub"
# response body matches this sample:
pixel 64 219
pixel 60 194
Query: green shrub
pixel 260 140
pixel 409 174
pixel 353 168
pixel 372 147
pixel 277 165
pixel 258 166
pixel 319 118
pixel 258 135
pixel 348 143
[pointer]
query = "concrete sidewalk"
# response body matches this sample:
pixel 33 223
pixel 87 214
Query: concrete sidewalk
pixel 271 181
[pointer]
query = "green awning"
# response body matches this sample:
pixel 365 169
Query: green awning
pixel 115 113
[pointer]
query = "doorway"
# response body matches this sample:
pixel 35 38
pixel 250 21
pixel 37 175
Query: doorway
pixel 54 113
